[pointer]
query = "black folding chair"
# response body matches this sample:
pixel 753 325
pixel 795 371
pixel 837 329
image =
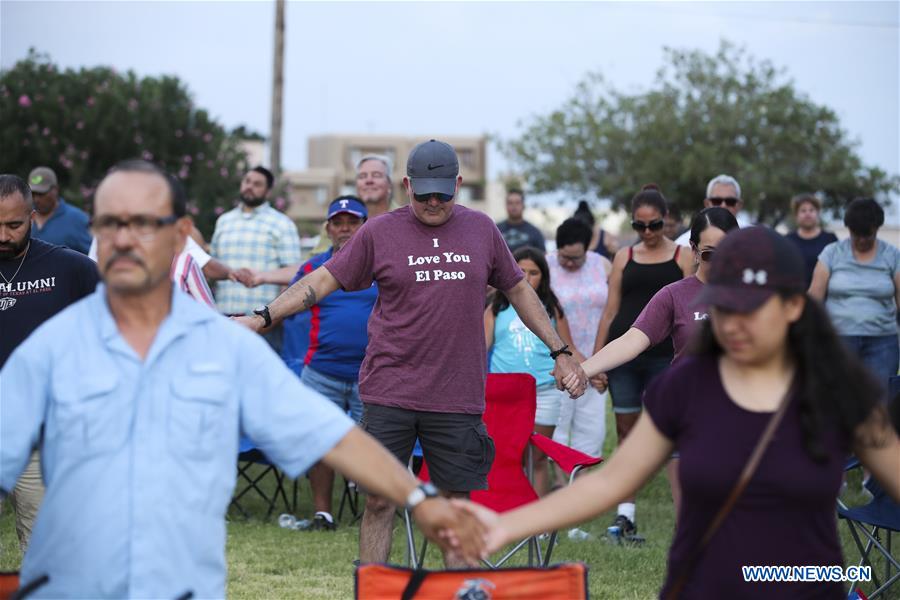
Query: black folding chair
pixel 252 468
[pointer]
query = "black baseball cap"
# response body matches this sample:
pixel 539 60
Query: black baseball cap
pixel 433 167
pixel 749 266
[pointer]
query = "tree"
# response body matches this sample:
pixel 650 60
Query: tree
pixel 80 123
pixel 706 114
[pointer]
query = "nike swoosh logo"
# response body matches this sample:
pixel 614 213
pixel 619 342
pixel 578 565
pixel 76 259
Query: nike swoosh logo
pixel 432 167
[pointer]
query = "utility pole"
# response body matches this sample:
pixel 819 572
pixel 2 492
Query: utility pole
pixel 277 90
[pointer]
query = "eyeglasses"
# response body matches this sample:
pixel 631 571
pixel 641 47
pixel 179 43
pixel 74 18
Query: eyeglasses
pixel 706 255
pixel 572 260
pixel 438 195
pixel 143 226
pixel 640 227
pixel 730 201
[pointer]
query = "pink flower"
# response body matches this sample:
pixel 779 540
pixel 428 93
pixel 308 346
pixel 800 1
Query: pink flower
pixel 210 164
pixel 223 172
pixel 218 210
pixel 83 155
pixel 183 173
pixel 46 131
pixel 146 155
pixel 207 138
pixel 90 101
pixel 79 125
pixel 187 159
pixel 280 203
pixel 61 99
pixel 132 104
pixel 194 210
pixel 24 101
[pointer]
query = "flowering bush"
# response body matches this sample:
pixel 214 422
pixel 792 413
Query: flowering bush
pixel 80 123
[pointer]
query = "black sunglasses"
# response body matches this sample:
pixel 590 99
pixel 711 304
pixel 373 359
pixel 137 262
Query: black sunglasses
pixel 730 201
pixel 652 225
pixel 438 195
pixel 706 255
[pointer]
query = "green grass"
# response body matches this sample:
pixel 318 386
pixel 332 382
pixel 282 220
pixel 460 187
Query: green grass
pixel 265 561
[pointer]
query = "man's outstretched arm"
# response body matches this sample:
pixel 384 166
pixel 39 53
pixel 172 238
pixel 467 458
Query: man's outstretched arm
pixel 297 298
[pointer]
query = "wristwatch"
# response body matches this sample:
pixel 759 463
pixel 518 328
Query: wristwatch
pixel 564 350
pixel 422 491
pixel 264 313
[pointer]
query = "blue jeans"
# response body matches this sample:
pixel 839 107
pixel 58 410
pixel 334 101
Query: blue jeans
pixel 342 392
pixel 880 353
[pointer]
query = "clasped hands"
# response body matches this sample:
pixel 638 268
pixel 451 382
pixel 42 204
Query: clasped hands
pixel 570 376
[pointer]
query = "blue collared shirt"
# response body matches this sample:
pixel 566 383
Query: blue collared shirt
pixel 68 226
pixel 139 457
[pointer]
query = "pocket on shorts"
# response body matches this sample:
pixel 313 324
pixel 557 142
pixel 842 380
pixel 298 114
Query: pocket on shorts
pixel 479 448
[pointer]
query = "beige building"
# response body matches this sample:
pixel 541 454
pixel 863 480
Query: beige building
pixel 332 170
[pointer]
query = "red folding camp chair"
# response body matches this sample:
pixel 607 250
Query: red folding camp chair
pixel 510 404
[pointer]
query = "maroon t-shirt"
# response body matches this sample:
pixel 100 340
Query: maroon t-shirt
pixel 672 312
pixel 426 332
pixel 786 516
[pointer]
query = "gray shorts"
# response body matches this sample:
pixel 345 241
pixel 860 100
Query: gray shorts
pixel 457 448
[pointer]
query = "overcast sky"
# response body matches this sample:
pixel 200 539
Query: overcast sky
pixel 430 69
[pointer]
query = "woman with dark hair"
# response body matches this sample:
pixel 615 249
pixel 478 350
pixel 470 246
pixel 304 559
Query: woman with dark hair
pixel 602 242
pixel 764 412
pixel 859 281
pixel 580 281
pixel 639 272
pixel 517 350
pixel 673 311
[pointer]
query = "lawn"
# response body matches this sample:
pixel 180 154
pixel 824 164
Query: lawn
pixel 265 561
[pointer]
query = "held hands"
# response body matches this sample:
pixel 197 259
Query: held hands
pixel 569 375
pixel 453 528
pixel 495 536
pixel 247 277
pixel 254 323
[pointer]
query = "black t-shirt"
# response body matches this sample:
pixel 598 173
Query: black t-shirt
pixel 50 279
pixel 811 248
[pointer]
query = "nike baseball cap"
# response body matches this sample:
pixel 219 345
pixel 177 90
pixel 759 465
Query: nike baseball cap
pixel 347 204
pixel 41 179
pixel 433 168
pixel 749 266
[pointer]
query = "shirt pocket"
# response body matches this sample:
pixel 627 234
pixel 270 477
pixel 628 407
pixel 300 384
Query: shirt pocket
pixel 90 418
pixel 198 411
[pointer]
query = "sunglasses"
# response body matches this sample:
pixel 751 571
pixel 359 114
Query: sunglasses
pixel 731 201
pixel 426 197
pixel 652 225
pixel 706 255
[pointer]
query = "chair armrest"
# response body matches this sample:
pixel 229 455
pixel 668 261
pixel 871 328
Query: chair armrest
pixel 568 459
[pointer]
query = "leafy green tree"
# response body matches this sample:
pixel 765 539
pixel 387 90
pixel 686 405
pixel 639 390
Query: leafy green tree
pixel 82 122
pixel 705 115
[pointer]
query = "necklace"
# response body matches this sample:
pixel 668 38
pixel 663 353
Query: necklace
pixel 21 262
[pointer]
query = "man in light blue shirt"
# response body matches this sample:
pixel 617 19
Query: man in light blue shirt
pixel 137 396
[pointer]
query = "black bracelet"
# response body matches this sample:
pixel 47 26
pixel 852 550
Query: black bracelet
pixel 564 350
pixel 264 313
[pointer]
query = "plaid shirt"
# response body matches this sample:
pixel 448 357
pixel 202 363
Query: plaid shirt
pixel 262 239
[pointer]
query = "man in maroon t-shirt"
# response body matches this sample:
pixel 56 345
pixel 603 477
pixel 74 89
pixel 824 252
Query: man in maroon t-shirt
pixel 424 372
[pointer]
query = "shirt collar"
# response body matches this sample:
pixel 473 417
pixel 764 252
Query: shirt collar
pixel 184 314
pixel 253 211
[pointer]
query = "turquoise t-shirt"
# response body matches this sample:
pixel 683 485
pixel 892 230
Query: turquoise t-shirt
pixel 518 350
pixel 861 296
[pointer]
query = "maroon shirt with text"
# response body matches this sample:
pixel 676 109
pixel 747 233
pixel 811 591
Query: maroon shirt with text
pixel 426 333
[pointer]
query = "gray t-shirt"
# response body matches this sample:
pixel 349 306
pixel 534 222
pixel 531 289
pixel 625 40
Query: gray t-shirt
pixel 861 296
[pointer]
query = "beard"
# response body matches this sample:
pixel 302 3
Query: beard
pixel 11 250
pixel 252 202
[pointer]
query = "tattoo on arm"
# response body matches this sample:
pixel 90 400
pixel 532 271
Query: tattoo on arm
pixel 310 299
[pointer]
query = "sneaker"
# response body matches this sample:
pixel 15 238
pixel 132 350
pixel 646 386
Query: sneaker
pixel 623 530
pixel 319 523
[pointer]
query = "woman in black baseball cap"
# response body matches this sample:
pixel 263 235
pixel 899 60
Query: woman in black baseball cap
pixel 764 413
